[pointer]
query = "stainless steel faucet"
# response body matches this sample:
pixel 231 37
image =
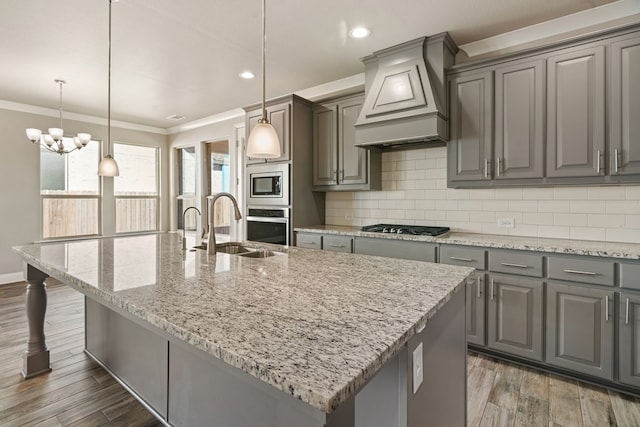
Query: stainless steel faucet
pixel 184 237
pixel 211 241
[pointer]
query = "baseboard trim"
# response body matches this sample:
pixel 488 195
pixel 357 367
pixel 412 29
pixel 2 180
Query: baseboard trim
pixel 11 278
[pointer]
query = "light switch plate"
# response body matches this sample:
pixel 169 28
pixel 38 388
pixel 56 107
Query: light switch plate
pixel 417 368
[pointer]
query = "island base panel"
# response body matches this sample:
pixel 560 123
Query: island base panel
pixel 36 357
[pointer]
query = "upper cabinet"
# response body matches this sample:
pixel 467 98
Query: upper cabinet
pixel 337 163
pixel 560 114
pixel 575 113
pixel 624 106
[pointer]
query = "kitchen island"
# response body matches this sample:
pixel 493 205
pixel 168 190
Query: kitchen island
pixel 301 338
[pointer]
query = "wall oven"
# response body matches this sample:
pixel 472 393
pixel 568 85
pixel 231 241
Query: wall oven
pixel 268 184
pixel 268 225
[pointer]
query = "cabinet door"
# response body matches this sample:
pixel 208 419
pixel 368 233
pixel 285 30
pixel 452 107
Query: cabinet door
pixel 629 335
pixel 278 116
pixel 519 122
pixel 469 149
pixel 337 243
pixel 580 329
pixel 353 160
pixel 624 107
pixel 475 307
pixel 515 316
pixel 325 147
pixel 575 113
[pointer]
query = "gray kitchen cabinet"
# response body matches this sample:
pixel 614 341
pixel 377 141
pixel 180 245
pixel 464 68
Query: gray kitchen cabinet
pixel 309 240
pixel 576 112
pixel 580 328
pixel 475 287
pixel 515 316
pixel 336 243
pixel 337 163
pixel 624 106
pixel 392 248
pixel 628 334
pixel 469 150
pixel 519 120
pixel 279 116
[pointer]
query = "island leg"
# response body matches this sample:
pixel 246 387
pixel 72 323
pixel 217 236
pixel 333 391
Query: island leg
pixel 36 357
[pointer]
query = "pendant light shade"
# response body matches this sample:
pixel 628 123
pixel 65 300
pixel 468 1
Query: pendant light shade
pixel 263 140
pixel 108 165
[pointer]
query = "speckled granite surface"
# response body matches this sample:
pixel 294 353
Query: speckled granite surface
pixel 314 324
pixel 575 247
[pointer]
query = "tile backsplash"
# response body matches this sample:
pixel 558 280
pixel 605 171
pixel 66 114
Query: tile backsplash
pixel 414 191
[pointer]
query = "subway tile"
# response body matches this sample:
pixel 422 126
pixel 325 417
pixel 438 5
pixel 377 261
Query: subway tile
pixel 426 164
pixel 447 205
pixel 414 195
pixel 414 214
pixel 461 216
pixel 622 235
pixel 606 193
pixel 524 230
pixel 483 194
pixel 406 165
pixel 435 215
pixel 470 205
pixel 425 204
pixel 588 206
pixel 625 207
pixel 418 154
pixel 632 193
pixel 396 195
pixel 441 184
pixel 554 231
pixel 509 193
pixel 456 194
pixel 587 233
pixel 632 221
pixel 435 194
pixel 569 219
pixel 523 206
pixel 493 229
pixel 537 193
pixel 396 214
pixel 369 204
pixel 537 218
pixel 426 184
pixel 468 228
pixel 416 174
pixel 570 193
pixel 554 206
pixel 495 205
pixel 605 221
pixel 406 185
pixel 483 216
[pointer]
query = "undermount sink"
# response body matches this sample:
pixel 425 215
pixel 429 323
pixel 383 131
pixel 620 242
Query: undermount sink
pixel 259 253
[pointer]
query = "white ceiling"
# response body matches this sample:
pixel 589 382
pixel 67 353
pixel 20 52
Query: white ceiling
pixel 183 57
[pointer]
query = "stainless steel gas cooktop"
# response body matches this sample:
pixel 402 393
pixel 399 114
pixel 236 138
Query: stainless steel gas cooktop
pixel 417 230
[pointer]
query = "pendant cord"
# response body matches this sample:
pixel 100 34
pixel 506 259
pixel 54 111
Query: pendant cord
pixel 60 82
pixel 109 89
pixel 264 80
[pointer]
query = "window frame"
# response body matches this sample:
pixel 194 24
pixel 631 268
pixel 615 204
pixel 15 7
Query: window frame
pixel 185 196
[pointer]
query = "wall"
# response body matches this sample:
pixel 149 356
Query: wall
pixel 414 191
pixel 20 180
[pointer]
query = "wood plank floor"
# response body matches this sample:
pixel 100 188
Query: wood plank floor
pixel 78 392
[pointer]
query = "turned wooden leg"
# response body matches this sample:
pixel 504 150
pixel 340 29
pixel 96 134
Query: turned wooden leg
pixel 36 357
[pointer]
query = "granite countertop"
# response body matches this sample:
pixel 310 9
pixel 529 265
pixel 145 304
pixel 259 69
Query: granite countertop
pixel 563 246
pixel 314 324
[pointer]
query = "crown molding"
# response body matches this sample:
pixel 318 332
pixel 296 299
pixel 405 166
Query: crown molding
pixel 621 9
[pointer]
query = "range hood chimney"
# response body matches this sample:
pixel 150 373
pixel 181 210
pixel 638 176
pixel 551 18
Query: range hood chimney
pixel 406 94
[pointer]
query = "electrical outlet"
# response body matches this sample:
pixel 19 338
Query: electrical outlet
pixel 417 368
pixel 506 222
pixel 348 215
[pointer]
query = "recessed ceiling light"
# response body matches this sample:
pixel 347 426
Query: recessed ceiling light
pixel 247 75
pixel 359 32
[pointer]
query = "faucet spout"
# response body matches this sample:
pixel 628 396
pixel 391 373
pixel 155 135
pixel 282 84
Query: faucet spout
pixel 211 241
pixel 184 237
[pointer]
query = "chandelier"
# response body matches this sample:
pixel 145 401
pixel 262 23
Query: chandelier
pixel 54 140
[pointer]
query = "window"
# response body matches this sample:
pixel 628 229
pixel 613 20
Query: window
pixel 136 189
pixel 186 197
pixel 70 191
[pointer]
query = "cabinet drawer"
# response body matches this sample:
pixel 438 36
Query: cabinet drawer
pixel 460 255
pixel 337 243
pixel 582 270
pixel 630 276
pixel 515 262
pixel 308 240
pixel 391 248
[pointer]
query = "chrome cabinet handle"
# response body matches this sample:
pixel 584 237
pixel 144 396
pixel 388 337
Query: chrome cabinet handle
pixel 478 287
pixel 307 243
pixel 342 175
pixel 606 308
pixel 498 166
pixel 585 273
pixel 486 167
pixel 599 164
pixel 508 264
pixel 336 246
pixel 335 175
pixel 461 259
pixel 491 291
pixel 616 165
pixel 626 314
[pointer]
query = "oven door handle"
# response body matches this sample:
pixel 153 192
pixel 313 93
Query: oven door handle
pixel 267 219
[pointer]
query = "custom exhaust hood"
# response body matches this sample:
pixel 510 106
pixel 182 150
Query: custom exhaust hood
pixel 405 94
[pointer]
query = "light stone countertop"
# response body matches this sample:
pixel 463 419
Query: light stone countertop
pixel 564 246
pixel 314 324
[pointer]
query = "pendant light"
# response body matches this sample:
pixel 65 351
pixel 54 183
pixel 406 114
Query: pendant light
pixel 108 165
pixel 263 140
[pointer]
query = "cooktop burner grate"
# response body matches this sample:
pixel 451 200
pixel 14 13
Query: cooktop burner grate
pixel 417 230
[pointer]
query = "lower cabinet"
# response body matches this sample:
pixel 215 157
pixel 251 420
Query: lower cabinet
pixel 391 248
pixel 514 322
pixel 580 328
pixel 629 339
pixel 337 243
pixel 476 309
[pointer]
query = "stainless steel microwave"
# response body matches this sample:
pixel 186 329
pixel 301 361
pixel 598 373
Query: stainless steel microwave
pixel 268 184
